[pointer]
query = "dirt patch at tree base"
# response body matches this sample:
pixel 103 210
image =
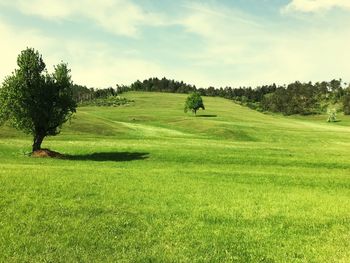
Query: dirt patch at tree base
pixel 46 153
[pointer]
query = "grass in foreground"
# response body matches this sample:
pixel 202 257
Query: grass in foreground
pixel 148 183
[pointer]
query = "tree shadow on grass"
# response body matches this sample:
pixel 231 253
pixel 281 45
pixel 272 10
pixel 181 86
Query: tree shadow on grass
pixel 207 116
pixel 109 156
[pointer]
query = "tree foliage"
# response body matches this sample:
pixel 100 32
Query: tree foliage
pixel 82 94
pixel 161 85
pixel 194 102
pixel 34 101
pixel 295 98
pixel 346 102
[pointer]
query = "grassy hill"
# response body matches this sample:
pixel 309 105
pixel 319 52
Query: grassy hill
pixel 146 182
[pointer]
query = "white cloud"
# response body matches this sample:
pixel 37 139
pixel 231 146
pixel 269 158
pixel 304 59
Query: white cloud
pixel 93 64
pixel 243 50
pixel 228 33
pixel 13 41
pixel 314 6
pixel 210 20
pixel 121 17
pixel 215 45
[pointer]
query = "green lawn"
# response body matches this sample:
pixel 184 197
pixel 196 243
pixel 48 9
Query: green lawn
pixel 148 183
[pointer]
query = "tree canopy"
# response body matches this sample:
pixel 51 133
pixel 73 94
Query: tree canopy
pixel 194 102
pixel 294 98
pixel 34 101
pixel 346 103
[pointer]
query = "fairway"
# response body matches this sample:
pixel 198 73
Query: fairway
pixel 146 182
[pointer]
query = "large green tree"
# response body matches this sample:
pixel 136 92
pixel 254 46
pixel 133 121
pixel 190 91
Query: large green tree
pixel 194 102
pixel 34 101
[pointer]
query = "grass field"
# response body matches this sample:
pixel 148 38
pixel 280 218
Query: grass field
pixel 148 183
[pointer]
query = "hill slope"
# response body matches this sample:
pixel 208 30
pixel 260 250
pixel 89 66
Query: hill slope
pixel 147 182
pixel 222 119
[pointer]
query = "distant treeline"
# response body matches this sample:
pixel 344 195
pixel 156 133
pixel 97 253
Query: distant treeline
pixel 83 94
pixel 162 85
pixel 295 98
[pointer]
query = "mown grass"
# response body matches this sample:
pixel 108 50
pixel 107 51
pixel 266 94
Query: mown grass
pixel 148 183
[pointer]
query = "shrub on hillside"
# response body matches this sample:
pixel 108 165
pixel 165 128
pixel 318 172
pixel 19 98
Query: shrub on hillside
pixel 112 101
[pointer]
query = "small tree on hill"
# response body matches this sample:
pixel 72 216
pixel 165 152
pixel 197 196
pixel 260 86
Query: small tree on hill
pixel 36 102
pixel 194 102
pixel 332 116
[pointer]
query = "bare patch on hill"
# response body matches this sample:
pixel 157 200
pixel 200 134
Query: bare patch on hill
pixel 150 130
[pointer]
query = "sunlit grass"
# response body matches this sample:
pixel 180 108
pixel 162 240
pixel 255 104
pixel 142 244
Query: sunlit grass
pixel 149 183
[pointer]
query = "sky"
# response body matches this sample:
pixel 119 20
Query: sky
pixel 205 43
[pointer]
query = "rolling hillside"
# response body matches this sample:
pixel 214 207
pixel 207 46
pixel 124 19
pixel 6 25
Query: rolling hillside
pixel 147 182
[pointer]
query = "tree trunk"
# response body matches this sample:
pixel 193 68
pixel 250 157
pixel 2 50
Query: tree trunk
pixel 38 139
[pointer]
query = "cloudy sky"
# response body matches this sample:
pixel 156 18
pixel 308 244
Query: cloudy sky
pixel 211 42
